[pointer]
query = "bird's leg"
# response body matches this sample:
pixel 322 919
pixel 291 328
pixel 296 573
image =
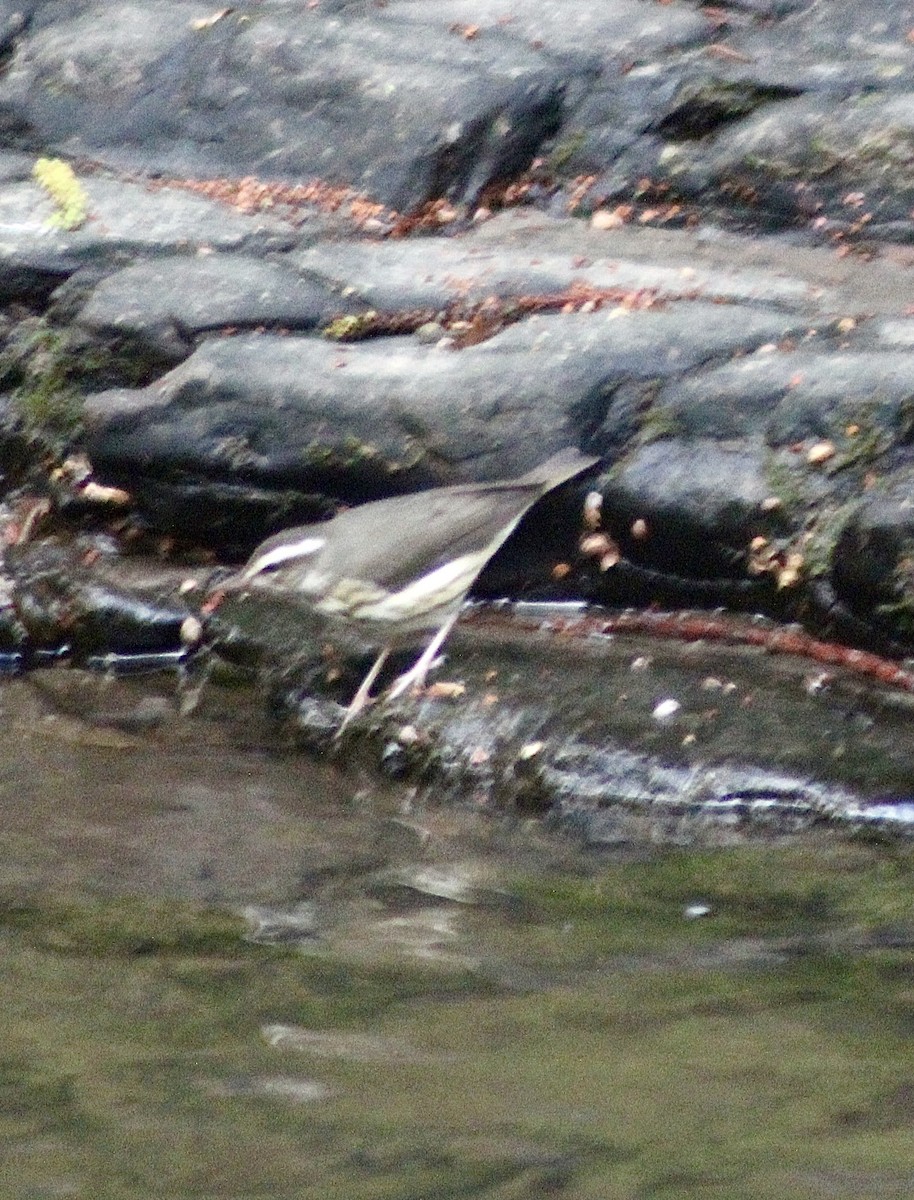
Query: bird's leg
pixel 362 698
pixel 415 677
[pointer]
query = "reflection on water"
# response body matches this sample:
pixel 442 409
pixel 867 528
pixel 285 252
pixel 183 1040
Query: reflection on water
pixel 231 971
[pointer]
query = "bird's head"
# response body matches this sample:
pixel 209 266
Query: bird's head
pixel 287 562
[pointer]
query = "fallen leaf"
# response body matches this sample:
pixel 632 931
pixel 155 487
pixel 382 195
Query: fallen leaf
pixel 445 690
pixel 208 22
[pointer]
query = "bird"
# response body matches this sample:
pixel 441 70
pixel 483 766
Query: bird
pixel 387 574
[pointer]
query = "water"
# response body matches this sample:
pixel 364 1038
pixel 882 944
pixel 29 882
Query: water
pixel 232 971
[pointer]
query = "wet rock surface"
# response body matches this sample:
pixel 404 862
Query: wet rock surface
pixel 616 733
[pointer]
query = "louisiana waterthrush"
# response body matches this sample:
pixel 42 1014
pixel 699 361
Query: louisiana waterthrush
pixel 382 575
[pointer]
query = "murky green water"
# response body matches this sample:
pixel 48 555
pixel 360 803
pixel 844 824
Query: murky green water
pixel 231 972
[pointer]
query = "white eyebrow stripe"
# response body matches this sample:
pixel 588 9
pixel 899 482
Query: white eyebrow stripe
pixel 280 554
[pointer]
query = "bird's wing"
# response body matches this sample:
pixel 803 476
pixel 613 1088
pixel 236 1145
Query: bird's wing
pixel 393 541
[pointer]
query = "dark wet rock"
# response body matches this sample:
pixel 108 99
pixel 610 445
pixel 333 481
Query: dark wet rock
pixel 160 308
pixel 873 555
pixel 551 725
pixel 695 522
pixel 61 602
pixel 600 790
pixel 789 397
pixel 800 116
pixel 231 515
pixel 412 110
pixel 361 421
pixel 812 157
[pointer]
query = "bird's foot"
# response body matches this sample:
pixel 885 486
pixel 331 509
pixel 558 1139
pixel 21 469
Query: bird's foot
pixel 412 680
pixel 416 677
pixel 362 699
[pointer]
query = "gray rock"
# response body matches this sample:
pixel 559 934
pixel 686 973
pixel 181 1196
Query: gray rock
pixel 849 159
pixel 161 306
pixel 692 513
pixel 369 419
pixel 124 220
pixel 410 110
pixel 519 254
pixel 873 557
pixel 787 397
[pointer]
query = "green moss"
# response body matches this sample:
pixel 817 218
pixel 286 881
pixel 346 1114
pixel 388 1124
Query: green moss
pixel 825 156
pixel 751 891
pixel 775 168
pixel 57 179
pixel 788 483
pixel 871 439
pixel 657 423
pixel 352 327
pixel 565 150
pixel 823 534
pixel 864 448
pixel 131 926
pixel 900 610
pixel 48 407
pixel 345 454
pixel 45 394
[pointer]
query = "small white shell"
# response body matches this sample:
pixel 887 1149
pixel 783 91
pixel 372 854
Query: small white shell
pixel 191 631
pixel 530 750
pixel 821 452
pixel 665 710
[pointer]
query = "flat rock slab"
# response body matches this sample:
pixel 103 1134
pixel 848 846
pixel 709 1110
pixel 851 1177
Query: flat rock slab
pixel 162 306
pixel 607 734
pixel 518 255
pixel 125 220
